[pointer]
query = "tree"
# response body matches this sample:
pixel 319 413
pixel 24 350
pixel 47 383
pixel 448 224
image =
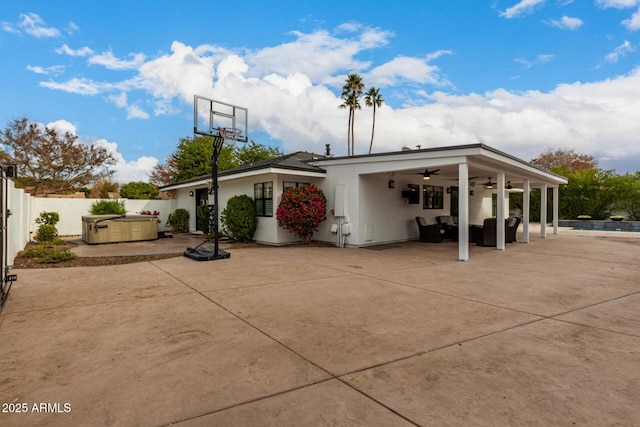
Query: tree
pixel 102 188
pixel 247 154
pixel 49 162
pixel 567 159
pixel 139 190
pixel 351 92
pixel 301 210
pixel 627 191
pixel 193 157
pixel 373 99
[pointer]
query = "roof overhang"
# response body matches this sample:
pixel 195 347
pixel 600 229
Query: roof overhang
pixel 483 162
pixel 206 180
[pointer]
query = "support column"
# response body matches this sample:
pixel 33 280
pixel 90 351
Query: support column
pixel 526 201
pixel 463 212
pixel 556 199
pixel 500 214
pixel 543 211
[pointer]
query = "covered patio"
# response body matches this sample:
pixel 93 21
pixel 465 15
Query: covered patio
pixel 367 193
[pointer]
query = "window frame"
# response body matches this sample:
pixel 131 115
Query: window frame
pixel 262 195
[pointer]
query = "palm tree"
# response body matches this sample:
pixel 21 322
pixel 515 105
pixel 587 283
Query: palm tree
pixel 345 104
pixel 373 99
pixel 351 92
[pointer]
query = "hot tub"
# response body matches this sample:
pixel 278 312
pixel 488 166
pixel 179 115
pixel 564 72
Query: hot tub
pixel 118 228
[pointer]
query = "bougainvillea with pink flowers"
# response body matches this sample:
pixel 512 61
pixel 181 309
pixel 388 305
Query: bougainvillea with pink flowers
pixel 301 210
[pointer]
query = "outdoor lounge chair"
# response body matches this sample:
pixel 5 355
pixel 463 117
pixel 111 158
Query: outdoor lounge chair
pixel 511 229
pixel 484 235
pixel 449 226
pixel 429 233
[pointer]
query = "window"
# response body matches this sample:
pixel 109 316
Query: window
pixel 263 196
pixel 494 205
pixel 288 184
pixel 433 197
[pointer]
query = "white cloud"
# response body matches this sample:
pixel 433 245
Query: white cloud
pixel 72 28
pixel 135 112
pixel 62 126
pixel 108 60
pixel 620 51
pixel 9 28
pixel 183 73
pixel 403 69
pixel 83 51
pixel 633 23
pixel 524 7
pixel 33 25
pixel 566 23
pixel 317 55
pixel 128 171
pixel 300 107
pixel 119 100
pixel 539 60
pixel 54 69
pixel 81 86
pixel 618 4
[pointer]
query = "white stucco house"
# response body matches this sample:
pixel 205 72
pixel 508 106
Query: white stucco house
pixel 374 199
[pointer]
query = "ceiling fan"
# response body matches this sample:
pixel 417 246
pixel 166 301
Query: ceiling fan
pixel 508 186
pixel 426 175
pixel 489 185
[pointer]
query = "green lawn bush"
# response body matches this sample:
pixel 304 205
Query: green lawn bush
pixel 108 207
pixel 239 218
pixel 179 220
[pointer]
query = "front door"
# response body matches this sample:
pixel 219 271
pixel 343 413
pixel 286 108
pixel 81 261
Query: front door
pixel 202 198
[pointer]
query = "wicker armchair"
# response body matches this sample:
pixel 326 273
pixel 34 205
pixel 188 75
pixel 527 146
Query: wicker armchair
pixel 484 235
pixel 429 233
pixel 511 229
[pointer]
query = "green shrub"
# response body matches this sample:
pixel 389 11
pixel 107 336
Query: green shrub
pixel 108 207
pixel 239 218
pixel 48 218
pixel 46 233
pixel 205 220
pixel 179 220
pixel 139 190
pixel 49 254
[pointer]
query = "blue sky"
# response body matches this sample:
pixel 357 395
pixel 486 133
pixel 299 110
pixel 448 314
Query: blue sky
pixel 520 76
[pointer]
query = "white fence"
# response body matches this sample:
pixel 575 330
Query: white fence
pixel 21 225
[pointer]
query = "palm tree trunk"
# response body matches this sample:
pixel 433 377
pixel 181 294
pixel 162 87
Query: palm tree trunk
pixel 373 127
pixel 349 132
pixel 353 121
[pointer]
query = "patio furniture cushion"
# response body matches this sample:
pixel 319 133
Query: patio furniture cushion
pixel 445 219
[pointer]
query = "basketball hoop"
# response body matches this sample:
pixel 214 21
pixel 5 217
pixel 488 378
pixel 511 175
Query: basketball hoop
pixel 230 133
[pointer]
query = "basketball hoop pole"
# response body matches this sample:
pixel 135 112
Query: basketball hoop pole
pixel 218 142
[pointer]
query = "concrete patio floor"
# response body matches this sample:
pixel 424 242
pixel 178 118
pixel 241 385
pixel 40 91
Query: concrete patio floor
pixel 544 333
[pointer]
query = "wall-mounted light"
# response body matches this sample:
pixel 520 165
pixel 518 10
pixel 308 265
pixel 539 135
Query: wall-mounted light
pixel 448 190
pixel 471 193
pixel 191 193
pixel 392 183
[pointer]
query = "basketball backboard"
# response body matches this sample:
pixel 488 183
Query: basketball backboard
pixel 211 116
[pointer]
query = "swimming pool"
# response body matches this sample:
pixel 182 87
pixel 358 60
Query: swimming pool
pixel 603 225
